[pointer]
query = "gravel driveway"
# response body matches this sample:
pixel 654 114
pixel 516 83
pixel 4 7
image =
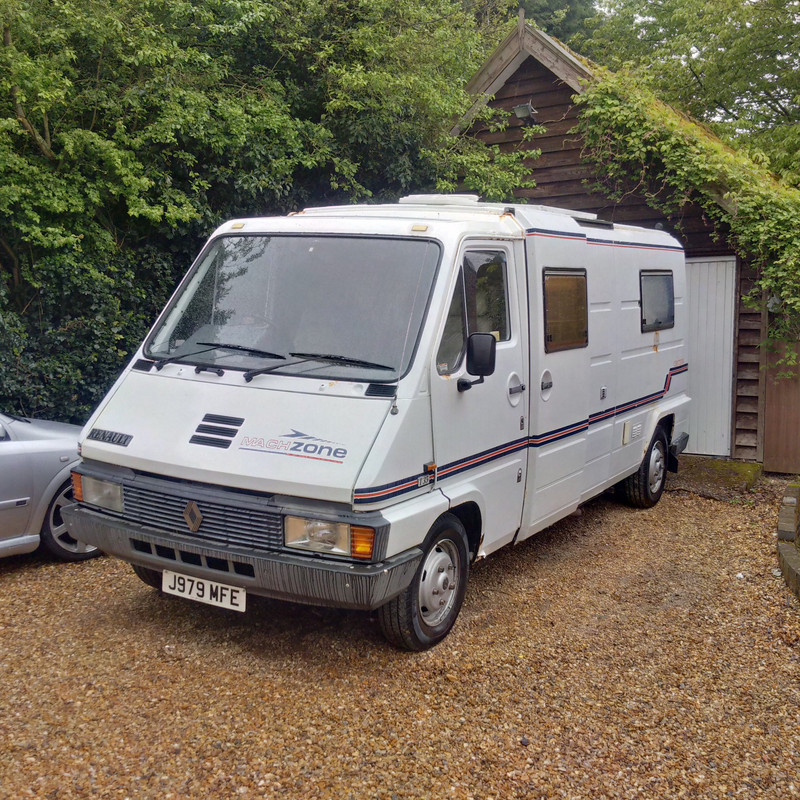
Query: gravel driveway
pixel 620 654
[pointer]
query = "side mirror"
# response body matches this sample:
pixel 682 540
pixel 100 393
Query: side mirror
pixel 480 359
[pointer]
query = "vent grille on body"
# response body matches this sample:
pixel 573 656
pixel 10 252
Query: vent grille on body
pixel 217 430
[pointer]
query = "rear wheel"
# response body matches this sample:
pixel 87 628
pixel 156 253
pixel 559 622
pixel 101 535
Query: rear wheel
pixel 423 614
pixel 152 577
pixel 644 488
pixel 55 538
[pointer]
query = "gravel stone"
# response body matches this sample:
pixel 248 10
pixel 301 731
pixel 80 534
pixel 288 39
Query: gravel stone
pixel 615 655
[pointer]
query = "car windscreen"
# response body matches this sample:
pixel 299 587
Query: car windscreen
pixel 343 307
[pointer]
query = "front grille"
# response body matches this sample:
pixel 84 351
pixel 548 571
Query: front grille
pixel 239 524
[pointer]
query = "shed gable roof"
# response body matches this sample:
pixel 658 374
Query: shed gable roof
pixel 523 42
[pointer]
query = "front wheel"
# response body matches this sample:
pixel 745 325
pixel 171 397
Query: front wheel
pixel 644 488
pixel 152 577
pixel 423 614
pixel 55 538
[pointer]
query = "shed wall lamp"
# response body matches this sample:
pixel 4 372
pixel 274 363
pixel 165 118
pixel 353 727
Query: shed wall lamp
pixel 525 111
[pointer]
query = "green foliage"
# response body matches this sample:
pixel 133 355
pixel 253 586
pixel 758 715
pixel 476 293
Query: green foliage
pixel 130 128
pixel 64 352
pixel 733 63
pixel 636 142
pixel 559 18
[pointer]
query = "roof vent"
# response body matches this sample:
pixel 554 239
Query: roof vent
pixel 594 223
pixel 441 199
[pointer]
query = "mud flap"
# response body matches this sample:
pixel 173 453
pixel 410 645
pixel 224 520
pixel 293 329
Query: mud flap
pixel 678 446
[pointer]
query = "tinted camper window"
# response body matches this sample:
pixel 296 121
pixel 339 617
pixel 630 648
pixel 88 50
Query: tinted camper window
pixel 566 317
pixel 657 300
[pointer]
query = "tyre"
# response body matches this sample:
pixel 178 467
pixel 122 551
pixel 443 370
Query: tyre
pixel 644 488
pixel 152 577
pixel 423 614
pixel 55 538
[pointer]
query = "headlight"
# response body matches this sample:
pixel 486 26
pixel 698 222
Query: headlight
pixel 322 536
pixel 95 492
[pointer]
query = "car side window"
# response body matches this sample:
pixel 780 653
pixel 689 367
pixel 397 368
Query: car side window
pixel 479 305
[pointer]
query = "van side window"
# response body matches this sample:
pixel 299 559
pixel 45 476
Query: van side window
pixel 566 316
pixel 454 338
pixel 657 300
pixel 487 308
pixel 479 305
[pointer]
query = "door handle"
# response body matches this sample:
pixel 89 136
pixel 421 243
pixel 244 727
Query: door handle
pixel 517 389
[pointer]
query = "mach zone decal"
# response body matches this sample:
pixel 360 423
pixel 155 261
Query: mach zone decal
pixel 297 445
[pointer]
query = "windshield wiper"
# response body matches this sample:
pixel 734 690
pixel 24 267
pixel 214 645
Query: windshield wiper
pixel 213 346
pixel 303 357
pixel 251 373
pixel 169 359
pixel 254 350
pixel 344 360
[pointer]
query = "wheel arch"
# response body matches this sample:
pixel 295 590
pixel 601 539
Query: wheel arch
pixel 37 519
pixel 667 422
pixel 659 418
pixel 469 514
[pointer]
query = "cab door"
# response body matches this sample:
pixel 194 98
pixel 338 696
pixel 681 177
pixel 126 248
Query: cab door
pixel 481 432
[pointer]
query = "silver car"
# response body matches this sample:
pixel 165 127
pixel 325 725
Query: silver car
pixel 35 461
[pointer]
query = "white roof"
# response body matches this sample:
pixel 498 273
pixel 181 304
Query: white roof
pixel 432 214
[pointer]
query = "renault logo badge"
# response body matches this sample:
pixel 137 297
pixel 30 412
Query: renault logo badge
pixel 192 516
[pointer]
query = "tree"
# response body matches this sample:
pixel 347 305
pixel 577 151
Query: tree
pixel 559 18
pixel 732 63
pixel 130 128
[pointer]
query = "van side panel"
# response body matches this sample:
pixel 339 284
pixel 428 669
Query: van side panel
pixel 594 404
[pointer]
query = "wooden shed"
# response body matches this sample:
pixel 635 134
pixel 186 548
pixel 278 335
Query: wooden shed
pixel 739 411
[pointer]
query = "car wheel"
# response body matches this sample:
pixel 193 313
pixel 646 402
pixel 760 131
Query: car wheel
pixel 152 577
pixel 644 488
pixel 423 614
pixel 55 538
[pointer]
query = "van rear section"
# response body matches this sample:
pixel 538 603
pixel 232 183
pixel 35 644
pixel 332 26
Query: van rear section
pixel 348 406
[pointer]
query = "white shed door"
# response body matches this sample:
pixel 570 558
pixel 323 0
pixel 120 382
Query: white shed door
pixel 712 307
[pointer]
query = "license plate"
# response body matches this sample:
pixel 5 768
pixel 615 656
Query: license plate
pixel 211 592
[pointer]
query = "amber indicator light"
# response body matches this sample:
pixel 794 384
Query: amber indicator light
pixel 362 541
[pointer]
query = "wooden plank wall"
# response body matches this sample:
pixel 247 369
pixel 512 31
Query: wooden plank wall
pixel 782 420
pixel 562 179
pixel 748 425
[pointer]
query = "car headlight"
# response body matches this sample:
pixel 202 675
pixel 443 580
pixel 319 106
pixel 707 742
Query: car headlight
pixel 96 492
pixel 335 538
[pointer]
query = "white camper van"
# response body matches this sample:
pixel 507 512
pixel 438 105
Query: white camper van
pixel 347 406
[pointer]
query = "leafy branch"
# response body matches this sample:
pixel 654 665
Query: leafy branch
pixel 633 139
pixel 43 143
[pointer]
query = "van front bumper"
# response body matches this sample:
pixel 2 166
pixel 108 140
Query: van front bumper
pixel 285 576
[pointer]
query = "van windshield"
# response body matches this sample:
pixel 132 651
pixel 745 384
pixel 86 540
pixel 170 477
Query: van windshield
pixel 341 307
